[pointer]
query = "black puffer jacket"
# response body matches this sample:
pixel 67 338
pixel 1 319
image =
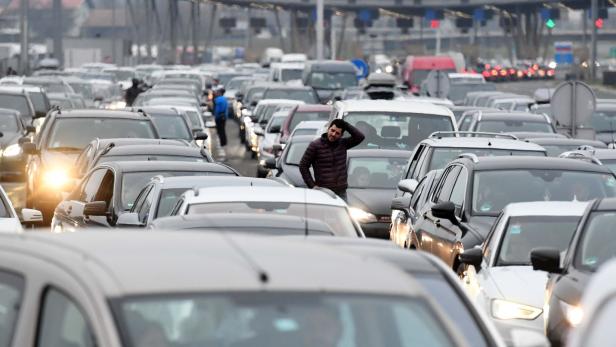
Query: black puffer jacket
pixel 329 160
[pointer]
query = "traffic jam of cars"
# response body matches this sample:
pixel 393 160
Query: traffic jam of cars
pixel 299 204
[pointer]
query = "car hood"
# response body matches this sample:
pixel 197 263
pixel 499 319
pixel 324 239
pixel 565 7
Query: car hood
pixel 375 201
pixel 8 139
pixel 291 174
pixel 520 284
pixel 59 158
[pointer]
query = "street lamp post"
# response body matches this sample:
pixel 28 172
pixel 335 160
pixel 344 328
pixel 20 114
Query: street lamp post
pixel 320 31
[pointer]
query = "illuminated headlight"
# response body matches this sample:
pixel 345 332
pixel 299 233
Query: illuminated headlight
pixel 12 150
pixel 502 309
pixel 56 178
pixel 389 69
pixel 573 313
pixel 552 65
pixel 378 71
pixel 117 105
pixel 362 216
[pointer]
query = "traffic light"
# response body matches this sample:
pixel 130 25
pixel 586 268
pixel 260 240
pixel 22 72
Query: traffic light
pixel 599 23
pixel 550 23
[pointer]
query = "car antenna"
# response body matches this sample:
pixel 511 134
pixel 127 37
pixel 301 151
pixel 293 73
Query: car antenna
pixel 261 273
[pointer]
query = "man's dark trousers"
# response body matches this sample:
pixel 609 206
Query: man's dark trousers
pixel 220 129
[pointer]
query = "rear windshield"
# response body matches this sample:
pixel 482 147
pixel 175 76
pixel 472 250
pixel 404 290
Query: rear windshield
pixel 306 96
pixel 307 116
pixel 172 127
pixel 16 102
pixel 442 156
pixel 8 123
pixel 508 126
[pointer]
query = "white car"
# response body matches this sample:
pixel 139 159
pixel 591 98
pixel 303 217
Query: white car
pixel 599 302
pixel 308 127
pixel 269 136
pixel 261 116
pixel 501 280
pixel 300 202
pixel 9 220
pixel 286 72
pixel 455 77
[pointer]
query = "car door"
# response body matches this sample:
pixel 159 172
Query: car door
pixel 69 213
pixel 448 234
pixel 104 193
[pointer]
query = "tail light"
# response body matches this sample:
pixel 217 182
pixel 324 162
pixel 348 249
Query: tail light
pixel 551 72
pixel 494 73
pixel 486 73
pixel 503 72
pixel 512 71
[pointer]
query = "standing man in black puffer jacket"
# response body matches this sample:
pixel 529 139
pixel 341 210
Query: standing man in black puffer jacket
pixel 328 157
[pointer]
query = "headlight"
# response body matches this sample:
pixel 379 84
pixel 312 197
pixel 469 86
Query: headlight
pixel 502 309
pixel 389 69
pixel 573 313
pixel 56 178
pixel 362 216
pixel 12 150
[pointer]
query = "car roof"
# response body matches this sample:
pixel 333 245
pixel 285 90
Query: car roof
pixel 310 124
pixel 483 142
pixel 397 106
pixel 546 208
pixel 288 87
pixel 608 204
pixel 530 162
pixel 90 113
pixel 159 110
pixel 313 108
pixel 265 194
pixel 161 165
pixel 222 181
pixel 377 153
pixel 565 141
pixel 120 264
pixel 156 150
pixel 515 116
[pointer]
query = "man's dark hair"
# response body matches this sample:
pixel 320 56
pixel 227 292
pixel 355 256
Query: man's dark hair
pixel 338 123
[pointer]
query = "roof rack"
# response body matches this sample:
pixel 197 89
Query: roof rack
pixel 581 155
pixel 439 134
pixel 471 156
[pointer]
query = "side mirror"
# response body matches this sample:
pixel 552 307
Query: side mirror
pixel 259 131
pixel 473 256
pixel 129 219
pixel 31 216
pixel 275 129
pixel 408 185
pixel 445 210
pixel 200 135
pixel 401 203
pixel 270 163
pixel 546 259
pixel 29 148
pixel 30 129
pixel 95 208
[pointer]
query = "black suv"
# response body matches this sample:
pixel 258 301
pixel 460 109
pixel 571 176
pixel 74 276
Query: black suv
pixel 473 190
pixel 592 245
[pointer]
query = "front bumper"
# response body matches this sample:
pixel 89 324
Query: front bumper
pixel 505 327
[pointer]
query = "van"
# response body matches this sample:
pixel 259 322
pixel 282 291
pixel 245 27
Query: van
pixel 417 68
pixel 329 76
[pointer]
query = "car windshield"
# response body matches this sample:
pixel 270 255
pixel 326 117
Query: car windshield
pixel 172 101
pixel 604 121
pixel 195 119
pixel 168 199
pixel 277 319
pixel 453 306
pixel 306 96
pixel 133 182
pixel 76 133
pixel 16 102
pixel 290 74
pixel 235 83
pixel 64 103
pixel 524 233
pixel 52 87
pixel 171 127
pixel 610 164
pixel 299 117
pixel 598 242
pixel 494 189
pixel 8 123
pixel 332 80
pixel 442 156
pixel 296 152
pixel 336 217
pixel 396 130
pixel 458 91
pixel 512 125
pixel 378 172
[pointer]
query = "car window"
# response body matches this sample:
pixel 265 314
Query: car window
pixel 172 127
pixel 16 102
pixel 296 152
pixel 489 244
pixel 513 125
pixel 376 173
pixel 141 198
pixel 448 181
pixel 459 189
pixel 307 116
pixel 418 193
pixel 144 209
pixel 442 156
pixel 92 184
pixel 9 123
pixel 597 243
pixel 415 160
pixel 11 293
pixel 465 124
pixel 105 192
pixel 62 323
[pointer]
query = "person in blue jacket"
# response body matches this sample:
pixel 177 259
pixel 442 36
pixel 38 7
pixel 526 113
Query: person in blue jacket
pixel 221 113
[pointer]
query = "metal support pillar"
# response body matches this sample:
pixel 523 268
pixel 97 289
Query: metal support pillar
pixel 195 21
pixel 148 30
pixel 279 25
pixel 594 14
pixel 210 31
pixel 137 39
pixel 113 32
pixel 320 29
pixel 58 50
pixel 341 38
pixel 173 33
pixel 161 33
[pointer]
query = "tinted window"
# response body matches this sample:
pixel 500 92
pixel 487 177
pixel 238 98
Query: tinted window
pixel 281 319
pixel 195 119
pixel 168 199
pixel 8 123
pixel 172 127
pixel 598 241
pixel 466 123
pixel 556 150
pixel 16 102
pixel 62 323
pixel 38 101
pixel 332 80
pixel 76 133
pixel 296 152
pixel 397 130
pixel 602 121
pixel 448 182
pixel 276 121
pixel 304 131
pixel 92 184
pixel 290 74
pixel 497 126
pixel 307 116
pixel 383 173
pixel 459 189
pixel 493 190
pixel 524 233
pixel 442 156
pixel 144 209
pixel 11 292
